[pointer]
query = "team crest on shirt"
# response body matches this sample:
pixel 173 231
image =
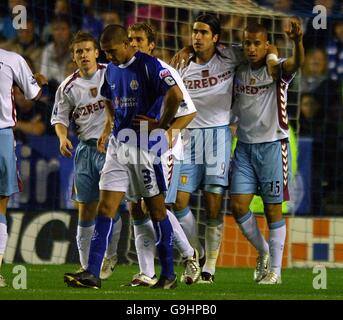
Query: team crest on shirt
pixel 252 81
pixel 205 73
pixel 134 85
pixel 94 92
pixel 183 179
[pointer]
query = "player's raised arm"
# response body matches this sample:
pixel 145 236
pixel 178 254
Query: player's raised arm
pixel 295 34
pixel 272 61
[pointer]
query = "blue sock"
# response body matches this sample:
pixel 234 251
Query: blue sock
pixel 164 245
pixel 101 237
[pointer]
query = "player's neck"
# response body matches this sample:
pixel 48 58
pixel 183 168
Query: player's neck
pixel 204 57
pixel 257 65
pixel 88 73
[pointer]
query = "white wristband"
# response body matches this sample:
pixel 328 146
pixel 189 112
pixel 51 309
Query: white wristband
pixel 272 56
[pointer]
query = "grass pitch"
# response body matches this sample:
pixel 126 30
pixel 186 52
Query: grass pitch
pixel 45 282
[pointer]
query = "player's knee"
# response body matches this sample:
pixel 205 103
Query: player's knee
pixel 238 209
pixel 106 209
pixel 158 214
pixel 180 203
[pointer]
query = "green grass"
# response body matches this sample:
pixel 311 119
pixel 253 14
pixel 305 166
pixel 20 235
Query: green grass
pixel 46 282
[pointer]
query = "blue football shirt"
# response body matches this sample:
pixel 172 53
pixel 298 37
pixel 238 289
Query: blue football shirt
pixel 136 88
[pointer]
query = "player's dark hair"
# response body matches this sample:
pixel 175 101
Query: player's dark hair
pixel 147 28
pixel 212 21
pixel 82 36
pixel 254 27
pixel 114 33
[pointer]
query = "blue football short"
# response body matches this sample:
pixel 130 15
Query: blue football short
pixel 206 158
pixel 263 169
pixel 10 182
pixel 88 163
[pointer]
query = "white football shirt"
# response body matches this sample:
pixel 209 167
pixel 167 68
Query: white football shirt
pixel 186 107
pixel 210 86
pixel 79 99
pixel 13 68
pixel 260 105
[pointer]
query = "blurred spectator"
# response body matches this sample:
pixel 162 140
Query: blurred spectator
pixel 27 43
pixel 335 52
pixel 313 124
pixel 61 8
pixel 111 12
pixel 56 55
pixel 315 80
pixel 314 70
pixel 90 22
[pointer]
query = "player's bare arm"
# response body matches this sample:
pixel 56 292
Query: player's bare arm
pixel 65 144
pixel 172 101
pixel 102 141
pixel 273 65
pixel 295 34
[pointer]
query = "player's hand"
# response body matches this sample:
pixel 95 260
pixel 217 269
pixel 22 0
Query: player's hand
pixel 181 58
pixel 294 31
pixel 41 79
pixel 273 66
pixel 152 123
pixel 65 147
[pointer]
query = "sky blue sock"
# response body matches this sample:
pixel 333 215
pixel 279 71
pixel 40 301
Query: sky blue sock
pixel 164 245
pixel 101 237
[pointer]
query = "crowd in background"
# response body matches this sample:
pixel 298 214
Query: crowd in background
pixel 50 25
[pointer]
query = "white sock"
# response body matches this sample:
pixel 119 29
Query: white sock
pixel 277 236
pixel 213 237
pixel 3 236
pixel 190 227
pixel 251 231
pixel 113 245
pixel 83 240
pixel 145 246
pixel 180 239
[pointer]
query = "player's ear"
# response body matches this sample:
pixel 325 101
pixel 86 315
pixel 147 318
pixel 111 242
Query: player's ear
pixel 96 53
pixel 152 46
pixel 215 38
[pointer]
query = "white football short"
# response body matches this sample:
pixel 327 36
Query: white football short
pixel 137 172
